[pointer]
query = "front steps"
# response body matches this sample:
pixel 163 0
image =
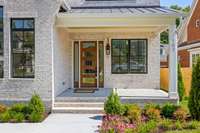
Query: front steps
pixel 79 105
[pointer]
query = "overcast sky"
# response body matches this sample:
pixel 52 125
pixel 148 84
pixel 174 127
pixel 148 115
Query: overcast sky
pixel 174 2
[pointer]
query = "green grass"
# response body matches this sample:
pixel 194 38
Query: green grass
pixel 185 131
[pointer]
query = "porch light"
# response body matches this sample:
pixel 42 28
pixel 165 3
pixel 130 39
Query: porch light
pixel 108 48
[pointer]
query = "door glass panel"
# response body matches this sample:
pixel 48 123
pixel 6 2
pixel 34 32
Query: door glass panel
pixel 76 64
pixel 101 64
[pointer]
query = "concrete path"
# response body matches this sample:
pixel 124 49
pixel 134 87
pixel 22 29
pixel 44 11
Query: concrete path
pixel 57 123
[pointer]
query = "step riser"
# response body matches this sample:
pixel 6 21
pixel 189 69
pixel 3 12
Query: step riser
pixel 79 111
pixel 79 105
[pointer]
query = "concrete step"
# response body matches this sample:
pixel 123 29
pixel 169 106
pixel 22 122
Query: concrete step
pixel 79 104
pixel 80 99
pixel 78 110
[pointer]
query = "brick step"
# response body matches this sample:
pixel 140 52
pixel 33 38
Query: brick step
pixel 79 104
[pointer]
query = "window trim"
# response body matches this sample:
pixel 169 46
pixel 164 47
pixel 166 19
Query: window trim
pixel 131 73
pixel 11 48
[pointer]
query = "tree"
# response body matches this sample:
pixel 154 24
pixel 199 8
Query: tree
pixel 194 98
pixel 181 90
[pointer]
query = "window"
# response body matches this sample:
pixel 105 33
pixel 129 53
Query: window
pixel 23 48
pixel 129 56
pixel 1 69
pixel 1 30
pixel 195 57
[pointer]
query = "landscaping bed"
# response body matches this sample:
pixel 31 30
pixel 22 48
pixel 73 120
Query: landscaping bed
pixel 33 111
pixel 130 118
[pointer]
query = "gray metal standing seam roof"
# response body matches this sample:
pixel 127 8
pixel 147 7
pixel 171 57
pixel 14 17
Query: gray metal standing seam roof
pixel 120 7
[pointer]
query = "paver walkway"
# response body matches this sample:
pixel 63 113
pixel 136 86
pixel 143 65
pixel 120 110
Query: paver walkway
pixel 57 123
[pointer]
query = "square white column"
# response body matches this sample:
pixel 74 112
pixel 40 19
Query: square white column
pixel 173 63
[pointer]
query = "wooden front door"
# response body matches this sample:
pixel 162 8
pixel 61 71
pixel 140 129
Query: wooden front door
pixel 88 56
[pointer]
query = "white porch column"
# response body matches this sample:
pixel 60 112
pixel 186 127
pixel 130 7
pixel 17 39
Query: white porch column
pixel 173 63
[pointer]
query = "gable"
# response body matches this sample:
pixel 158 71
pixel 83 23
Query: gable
pixel 194 25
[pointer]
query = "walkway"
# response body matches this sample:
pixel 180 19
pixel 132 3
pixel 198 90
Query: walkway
pixel 57 123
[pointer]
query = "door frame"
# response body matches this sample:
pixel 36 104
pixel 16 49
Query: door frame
pixel 79 44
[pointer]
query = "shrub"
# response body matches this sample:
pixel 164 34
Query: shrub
pixel 36 104
pixel 3 108
pixel 35 117
pixel 181 90
pixel 168 109
pixel 17 107
pixel 180 114
pixel 151 105
pixel 134 113
pixel 18 117
pixel 5 117
pixel 153 114
pixel 166 124
pixel 148 127
pixel 194 98
pixel 113 105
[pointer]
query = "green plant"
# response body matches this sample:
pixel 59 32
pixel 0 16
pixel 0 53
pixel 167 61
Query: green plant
pixel 181 90
pixel 35 117
pixel 113 105
pixel 192 125
pixel 168 109
pixel 180 114
pixel 3 108
pixel 5 117
pixel 134 113
pixel 166 124
pixel 178 125
pixel 153 114
pixel 148 127
pixel 36 104
pixel 194 98
pixel 18 117
pixel 151 105
pixel 17 107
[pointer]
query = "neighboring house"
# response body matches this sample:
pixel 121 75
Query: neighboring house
pixel 189 37
pixel 64 49
pixel 164 55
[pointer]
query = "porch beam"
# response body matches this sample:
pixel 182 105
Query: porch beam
pixel 173 63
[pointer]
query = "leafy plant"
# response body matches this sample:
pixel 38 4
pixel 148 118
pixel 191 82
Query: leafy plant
pixel 166 124
pixel 134 113
pixel 181 90
pixel 180 114
pixel 5 117
pixel 113 105
pixel 178 125
pixel 35 117
pixel 3 108
pixel 17 107
pixel 18 117
pixel 168 110
pixel 153 114
pixel 194 98
pixel 36 104
pixel 192 125
pixel 151 105
pixel 148 127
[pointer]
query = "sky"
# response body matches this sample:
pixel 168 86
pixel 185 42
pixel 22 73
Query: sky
pixel 176 2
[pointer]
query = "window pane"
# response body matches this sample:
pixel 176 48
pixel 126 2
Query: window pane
pixel 23 48
pixel 17 24
pixel 1 69
pixel 28 24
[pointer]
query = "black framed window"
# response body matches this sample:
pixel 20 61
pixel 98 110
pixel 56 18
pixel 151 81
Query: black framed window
pixel 129 56
pixel 1 69
pixel 23 47
pixel 1 30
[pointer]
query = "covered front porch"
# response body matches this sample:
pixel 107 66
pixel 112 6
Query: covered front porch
pixel 85 56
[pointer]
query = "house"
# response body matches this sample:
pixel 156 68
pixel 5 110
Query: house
pixel 73 53
pixel 189 37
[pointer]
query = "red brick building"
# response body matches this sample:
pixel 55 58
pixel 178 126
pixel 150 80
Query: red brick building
pixel 189 37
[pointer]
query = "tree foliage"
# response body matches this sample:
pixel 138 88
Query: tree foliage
pixel 194 98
